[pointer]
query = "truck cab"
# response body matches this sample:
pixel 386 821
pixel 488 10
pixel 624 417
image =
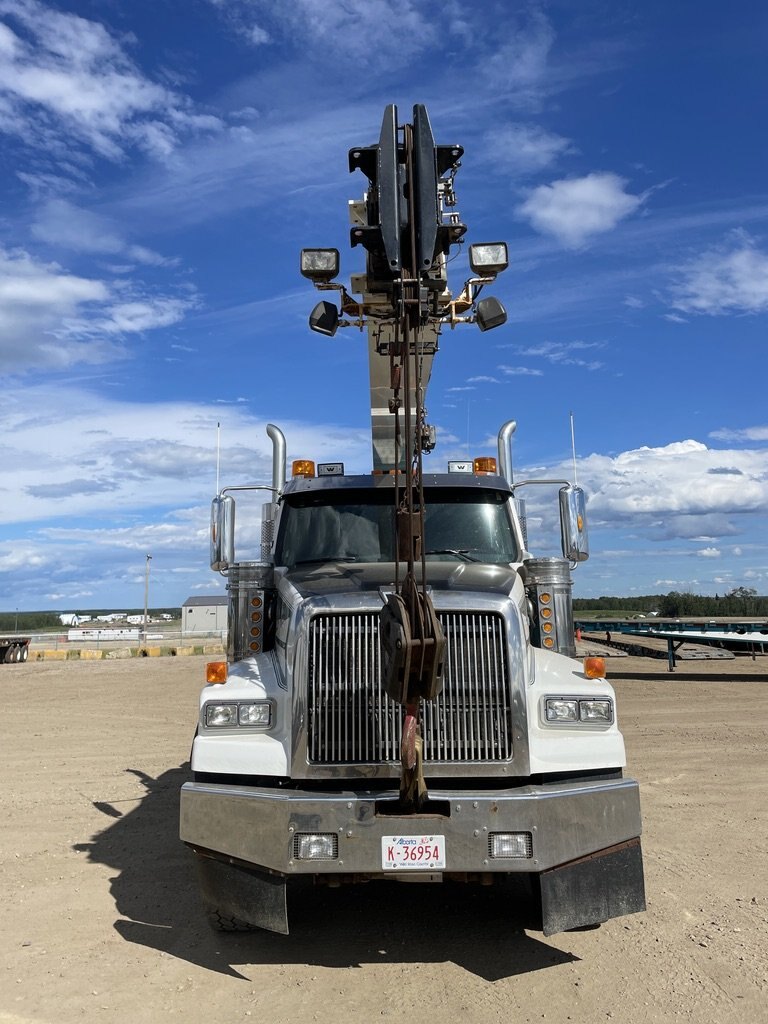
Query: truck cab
pixel 296 758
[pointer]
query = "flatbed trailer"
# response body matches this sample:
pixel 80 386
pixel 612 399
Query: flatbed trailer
pixel 14 649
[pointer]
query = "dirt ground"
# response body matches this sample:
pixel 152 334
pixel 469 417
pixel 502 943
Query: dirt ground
pixel 100 920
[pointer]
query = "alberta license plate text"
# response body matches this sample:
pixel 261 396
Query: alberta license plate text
pixel 413 853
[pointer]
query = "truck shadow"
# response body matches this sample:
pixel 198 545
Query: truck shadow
pixel 155 893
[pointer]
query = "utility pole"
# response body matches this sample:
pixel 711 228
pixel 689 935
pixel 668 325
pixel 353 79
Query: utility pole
pixel 146 597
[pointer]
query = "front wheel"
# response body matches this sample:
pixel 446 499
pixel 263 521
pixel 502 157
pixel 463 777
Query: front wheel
pixel 223 921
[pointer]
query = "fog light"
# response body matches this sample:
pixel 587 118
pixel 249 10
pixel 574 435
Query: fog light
pixel 558 710
pixel 508 845
pixel 217 715
pixel 315 846
pixel 255 714
pixel 596 710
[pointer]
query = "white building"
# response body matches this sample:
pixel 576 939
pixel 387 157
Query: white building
pixel 204 614
pixel 73 619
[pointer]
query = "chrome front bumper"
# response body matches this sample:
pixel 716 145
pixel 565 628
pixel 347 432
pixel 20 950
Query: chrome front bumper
pixel 256 826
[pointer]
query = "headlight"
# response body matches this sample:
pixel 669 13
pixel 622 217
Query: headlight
pixel 258 713
pixel 252 714
pixel 578 710
pixel 220 715
pixel 596 710
pixel 562 710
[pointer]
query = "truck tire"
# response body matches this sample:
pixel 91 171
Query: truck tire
pixel 8 657
pixel 24 653
pixel 221 921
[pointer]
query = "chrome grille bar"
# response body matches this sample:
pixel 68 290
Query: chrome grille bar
pixel 352 721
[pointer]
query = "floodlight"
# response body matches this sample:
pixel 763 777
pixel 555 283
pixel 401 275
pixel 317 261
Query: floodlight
pixel 320 264
pixel 488 259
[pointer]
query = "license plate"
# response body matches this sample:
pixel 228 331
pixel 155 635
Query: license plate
pixel 412 853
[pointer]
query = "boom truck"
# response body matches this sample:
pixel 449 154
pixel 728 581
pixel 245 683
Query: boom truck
pixel 401 698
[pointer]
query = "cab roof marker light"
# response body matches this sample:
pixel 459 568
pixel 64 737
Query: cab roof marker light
pixel 303 467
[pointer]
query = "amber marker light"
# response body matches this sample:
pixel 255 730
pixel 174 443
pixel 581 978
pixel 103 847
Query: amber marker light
pixel 303 467
pixel 216 672
pixel 486 464
pixel 594 668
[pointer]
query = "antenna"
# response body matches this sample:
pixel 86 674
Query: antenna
pixel 218 454
pixel 573 450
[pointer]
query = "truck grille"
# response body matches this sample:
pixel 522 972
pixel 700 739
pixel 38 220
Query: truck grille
pixel 352 721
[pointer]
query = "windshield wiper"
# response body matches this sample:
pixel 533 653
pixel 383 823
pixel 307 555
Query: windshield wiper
pixel 462 553
pixel 327 558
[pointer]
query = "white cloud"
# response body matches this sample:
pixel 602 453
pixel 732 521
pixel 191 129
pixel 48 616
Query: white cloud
pixel 679 488
pixel 521 371
pixel 746 434
pixel 729 279
pixel 52 319
pixel 91 454
pixel 561 353
pixel 524 148
pixel 573 210
pixel 61 223
pixel 709 553
pixel 64 78
pixel 520 68
pixel 142 476
pixel 321 28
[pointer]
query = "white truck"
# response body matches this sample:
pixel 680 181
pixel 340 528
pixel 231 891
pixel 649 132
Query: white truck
pixel 339 744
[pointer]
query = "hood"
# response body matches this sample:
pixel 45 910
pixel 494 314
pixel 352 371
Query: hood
pixel 350 578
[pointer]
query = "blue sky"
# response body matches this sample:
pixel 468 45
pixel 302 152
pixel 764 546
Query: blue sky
pixel 162 164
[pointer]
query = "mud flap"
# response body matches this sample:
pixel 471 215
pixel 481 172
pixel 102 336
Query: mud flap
pixel 593 889
pixel 251 897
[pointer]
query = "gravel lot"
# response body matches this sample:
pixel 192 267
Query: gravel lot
pixel 100 919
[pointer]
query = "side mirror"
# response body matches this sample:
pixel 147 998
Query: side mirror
pixel 222 533
pixel 573 524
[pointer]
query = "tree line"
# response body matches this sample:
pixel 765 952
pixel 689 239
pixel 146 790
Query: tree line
pixel 741 601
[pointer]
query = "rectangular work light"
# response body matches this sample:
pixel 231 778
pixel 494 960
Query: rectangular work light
pixel 488 259
pixel 320 264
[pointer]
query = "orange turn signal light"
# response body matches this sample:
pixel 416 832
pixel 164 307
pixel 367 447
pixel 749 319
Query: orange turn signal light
pixel 486 464
pixel 594 668
pixel 303 467
pixel 216 672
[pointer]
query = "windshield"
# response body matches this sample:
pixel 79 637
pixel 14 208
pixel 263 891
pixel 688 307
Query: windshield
pixel 358 526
